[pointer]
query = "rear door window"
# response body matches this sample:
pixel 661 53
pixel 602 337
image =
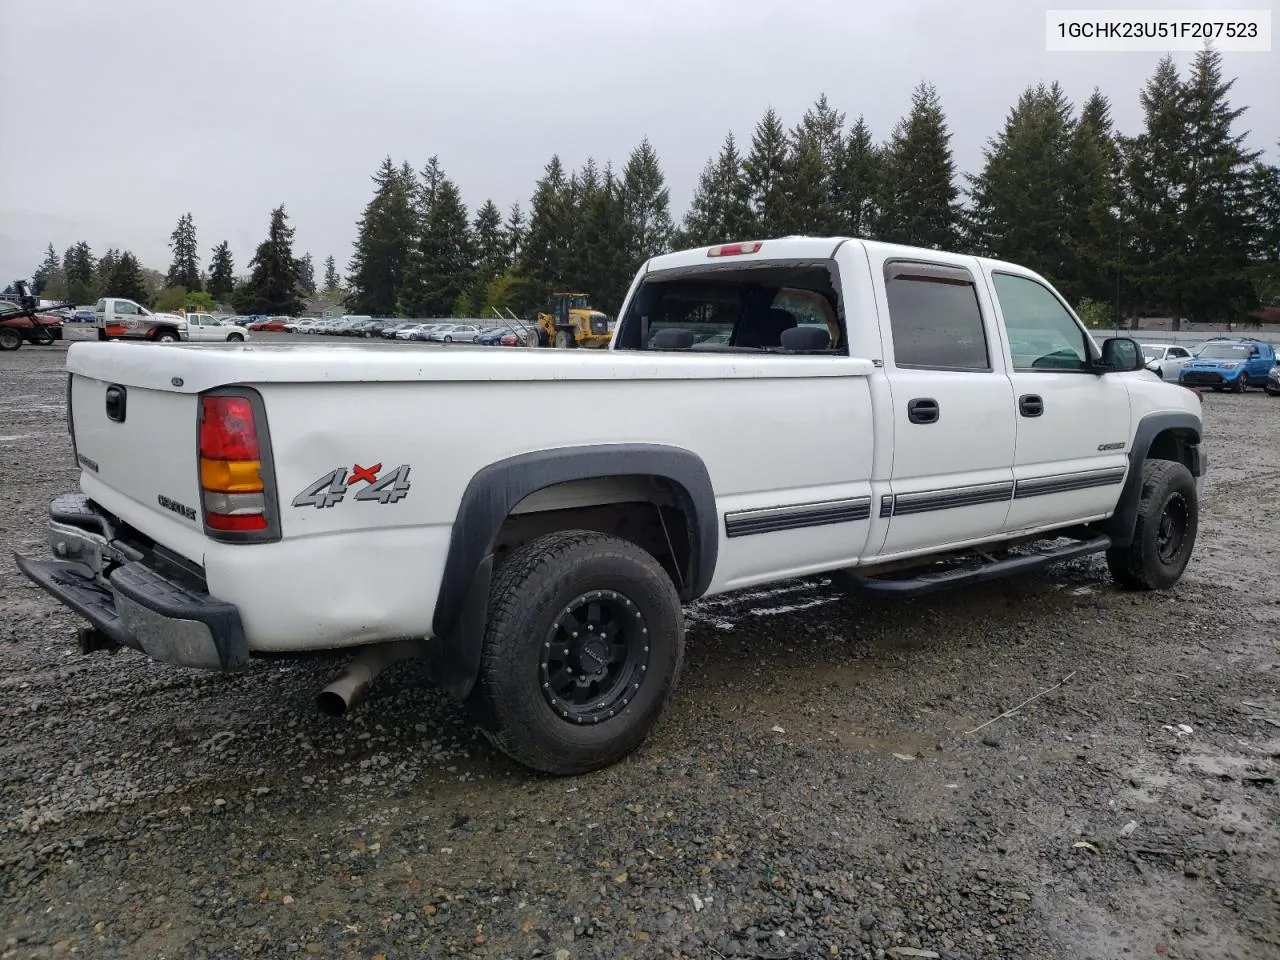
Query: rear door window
pixel 934 318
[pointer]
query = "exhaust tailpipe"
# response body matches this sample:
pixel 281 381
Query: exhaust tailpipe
pixel 349 687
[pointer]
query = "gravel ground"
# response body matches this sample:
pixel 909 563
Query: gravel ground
pixel 814 792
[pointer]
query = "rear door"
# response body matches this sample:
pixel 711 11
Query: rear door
pixel 953 410
pixel 1072 449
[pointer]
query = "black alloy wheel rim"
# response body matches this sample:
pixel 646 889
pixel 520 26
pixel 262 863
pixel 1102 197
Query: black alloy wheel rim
pixel 594 657
pixel 1171 532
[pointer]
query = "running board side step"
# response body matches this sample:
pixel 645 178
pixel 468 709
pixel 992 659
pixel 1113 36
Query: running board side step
pixel 984 569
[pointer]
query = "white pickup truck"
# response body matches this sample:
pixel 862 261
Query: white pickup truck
pixel 121 319
pixel 902 419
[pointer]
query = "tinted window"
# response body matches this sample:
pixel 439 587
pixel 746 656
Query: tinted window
pixel 1224 351
pixel 935 318
pixel 1042 333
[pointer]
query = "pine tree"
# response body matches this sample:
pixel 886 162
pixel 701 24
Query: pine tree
pixel 720 211
pixel 105 271
pixel 332 281
pixel 765 173
pixel 222 271
pixel 515 229
pixel 1217 228
pixel 78 266
pixel 548 241
pixel 857 178
pixel 1020 199
pixel 385 234
pixel 49 273
pixel 917 196
pixel 808 187
pixel 604 235
pixel 1264 210
pixel 1092 234
pixel 646 205
pixel 307 275
pixel 1154 171
pixel 491 247
pixel 184 271
pixel 441 269
pixel 273 286
pixel 127 281
pixel 817 151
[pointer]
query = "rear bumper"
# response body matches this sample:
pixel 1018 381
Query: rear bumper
pixel 132 597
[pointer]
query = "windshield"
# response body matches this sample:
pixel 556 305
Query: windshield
pixel 1224 351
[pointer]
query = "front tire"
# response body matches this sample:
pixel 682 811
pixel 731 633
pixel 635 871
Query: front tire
pixel 235 338
pixel 1242 384
pixel 10 339
pixel 1165 532
pixel 583 648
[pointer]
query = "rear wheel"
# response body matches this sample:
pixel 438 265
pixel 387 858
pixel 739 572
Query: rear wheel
pixel 1165 532
pixel 1242 384
pixel 583 648
pixel 10 339
pixel 102 334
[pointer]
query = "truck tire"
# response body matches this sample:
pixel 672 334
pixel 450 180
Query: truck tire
pixel 570 713
pixel 102 334
pixel 166 336
pixel 235 338
pixel 1165 532
pixel 564 339
pixel 10 339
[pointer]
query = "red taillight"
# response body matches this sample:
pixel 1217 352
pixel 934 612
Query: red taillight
pixel 736 249
pixel 227 431
pixel 233 491
pixel 235 521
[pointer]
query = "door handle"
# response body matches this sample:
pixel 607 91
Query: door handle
pixel 1029 405
pixel 923 410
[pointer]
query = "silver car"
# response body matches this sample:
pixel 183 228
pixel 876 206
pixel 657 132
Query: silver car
pixel 460 332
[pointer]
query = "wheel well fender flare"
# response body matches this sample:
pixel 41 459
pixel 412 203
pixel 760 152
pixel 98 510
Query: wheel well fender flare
pixel 1121 524
pixel 490 496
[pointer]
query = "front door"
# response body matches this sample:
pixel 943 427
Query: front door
pixel 1072 449
pixel 953 412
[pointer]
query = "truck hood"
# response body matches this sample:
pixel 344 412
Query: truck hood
pixel 192 368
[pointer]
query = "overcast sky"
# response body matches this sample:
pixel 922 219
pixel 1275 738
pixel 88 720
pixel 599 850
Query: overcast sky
pixel 119 115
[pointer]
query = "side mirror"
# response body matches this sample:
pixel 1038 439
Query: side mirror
pixel 1121 355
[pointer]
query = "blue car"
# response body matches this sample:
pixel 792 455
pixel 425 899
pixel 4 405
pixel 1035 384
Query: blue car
pixel 1229 363
pixel 491 338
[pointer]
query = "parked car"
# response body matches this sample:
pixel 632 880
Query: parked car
pixel 270 325
pixel 203 328
pixel 83 315
pixel 391 329
pixel 1272 386
pixel 1165 360
pixel 119 318
pixel 415 331
pixel 459 332
pixel 1234 363
pixel 492 336
pixel 17 329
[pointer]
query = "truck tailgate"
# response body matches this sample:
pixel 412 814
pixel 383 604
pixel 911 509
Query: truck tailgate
pixel 136 448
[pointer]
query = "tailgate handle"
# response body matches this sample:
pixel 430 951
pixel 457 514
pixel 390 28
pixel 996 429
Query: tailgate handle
pixel 116 397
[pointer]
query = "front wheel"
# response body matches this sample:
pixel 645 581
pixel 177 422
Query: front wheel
pixel 166 338
pixel 10 339
pixel 1165 532
pixel 448 339
pixel 1242 384
pixel 235 338
pixel 582 651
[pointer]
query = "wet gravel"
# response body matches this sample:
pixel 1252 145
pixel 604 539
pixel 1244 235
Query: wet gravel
pixel 813 793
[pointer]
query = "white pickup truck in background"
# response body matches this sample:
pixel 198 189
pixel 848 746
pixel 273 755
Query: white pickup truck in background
pixel 121 319
pixel 774 409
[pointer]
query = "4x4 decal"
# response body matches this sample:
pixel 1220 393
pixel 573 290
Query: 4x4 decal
pixel 333 487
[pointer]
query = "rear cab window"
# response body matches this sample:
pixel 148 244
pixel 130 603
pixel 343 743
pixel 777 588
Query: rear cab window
pixel 736 309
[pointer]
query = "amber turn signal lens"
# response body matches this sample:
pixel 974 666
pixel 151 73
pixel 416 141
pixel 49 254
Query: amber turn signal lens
pixel 231 476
